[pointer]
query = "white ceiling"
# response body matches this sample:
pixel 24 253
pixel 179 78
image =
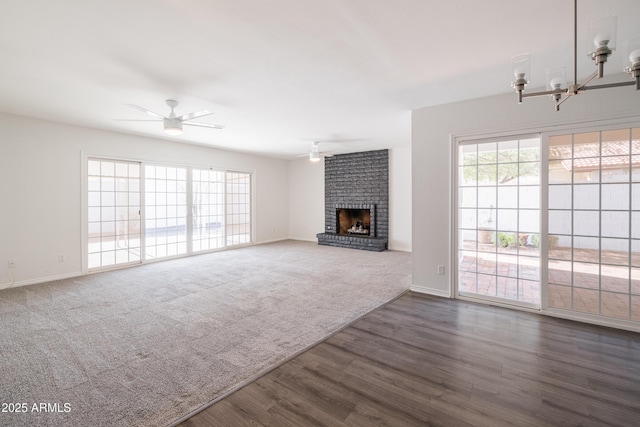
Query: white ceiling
pixel 282 73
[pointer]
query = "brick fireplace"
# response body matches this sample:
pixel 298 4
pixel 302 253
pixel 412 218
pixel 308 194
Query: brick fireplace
pixel 357 201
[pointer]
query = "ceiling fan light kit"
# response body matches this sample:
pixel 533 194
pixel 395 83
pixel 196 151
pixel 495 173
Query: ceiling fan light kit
pixel 603 33
pixel 314 154
pixel 172 124
pixel 172 127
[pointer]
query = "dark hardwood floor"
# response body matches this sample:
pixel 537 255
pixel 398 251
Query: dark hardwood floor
pixel 423 360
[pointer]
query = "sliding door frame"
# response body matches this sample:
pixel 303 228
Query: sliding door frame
pixel 85 157
pixel 456 144
pixel 574 314
pixel 545 131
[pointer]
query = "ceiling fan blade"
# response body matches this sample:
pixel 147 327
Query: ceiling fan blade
pixel 340 140
pixel 194 115
pixel 137 120
pixel 320 153
pixel 203 125
pixel 144 110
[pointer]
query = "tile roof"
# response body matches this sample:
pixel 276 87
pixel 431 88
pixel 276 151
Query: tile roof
pixel 615 154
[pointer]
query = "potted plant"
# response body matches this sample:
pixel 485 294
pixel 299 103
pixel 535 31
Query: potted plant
pixel 486 232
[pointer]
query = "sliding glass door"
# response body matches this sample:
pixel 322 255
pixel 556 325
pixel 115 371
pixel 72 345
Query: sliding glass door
pixel 576 243
pixel 183 210
pixel 238 208
pixel 165 213
pixel 498 220
pixel 208 207
pixel 113 213
pixel 594 223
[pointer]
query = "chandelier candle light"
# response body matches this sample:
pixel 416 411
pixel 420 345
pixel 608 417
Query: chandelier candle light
pixel 603 34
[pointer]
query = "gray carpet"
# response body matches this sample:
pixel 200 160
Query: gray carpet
pixel 145 346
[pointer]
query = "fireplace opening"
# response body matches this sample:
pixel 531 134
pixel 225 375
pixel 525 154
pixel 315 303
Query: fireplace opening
pixel 353 221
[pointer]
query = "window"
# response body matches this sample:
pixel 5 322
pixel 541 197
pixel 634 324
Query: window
pixel 499 220
pixel 113 213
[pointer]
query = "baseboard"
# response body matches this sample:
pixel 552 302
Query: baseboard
pixel 400 249
pixel 594 320
pixel 279 239
pixel 430 291
pixel 40 280
pixel 304 239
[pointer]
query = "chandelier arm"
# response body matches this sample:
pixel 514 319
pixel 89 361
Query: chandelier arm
pixel 561 101
pixel 604 86
pixel 543 93
pixel 578 87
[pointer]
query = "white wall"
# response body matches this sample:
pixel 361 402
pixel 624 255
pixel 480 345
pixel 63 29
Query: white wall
pixel 400 199
pixel 306 199
pixel 432 130
pixel 40 184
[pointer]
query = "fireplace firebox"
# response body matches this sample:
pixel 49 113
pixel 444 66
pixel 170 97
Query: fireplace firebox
pixel 353 221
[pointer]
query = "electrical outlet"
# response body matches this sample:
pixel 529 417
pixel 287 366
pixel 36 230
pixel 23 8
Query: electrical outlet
pixel 441 270
pixel 61 258
pixel 12 263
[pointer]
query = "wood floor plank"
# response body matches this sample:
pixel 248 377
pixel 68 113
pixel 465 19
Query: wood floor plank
pixel 424 360
pixel 224 413
pixel 367 415
pixel 327 396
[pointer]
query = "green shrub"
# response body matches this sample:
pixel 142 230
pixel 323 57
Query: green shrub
pixel 506 240
pixel 535 240
pixel 553 241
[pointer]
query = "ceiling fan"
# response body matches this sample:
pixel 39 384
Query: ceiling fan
pixel 172 123
pixel 315 154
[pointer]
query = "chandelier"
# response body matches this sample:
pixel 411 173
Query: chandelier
pixel 603 34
